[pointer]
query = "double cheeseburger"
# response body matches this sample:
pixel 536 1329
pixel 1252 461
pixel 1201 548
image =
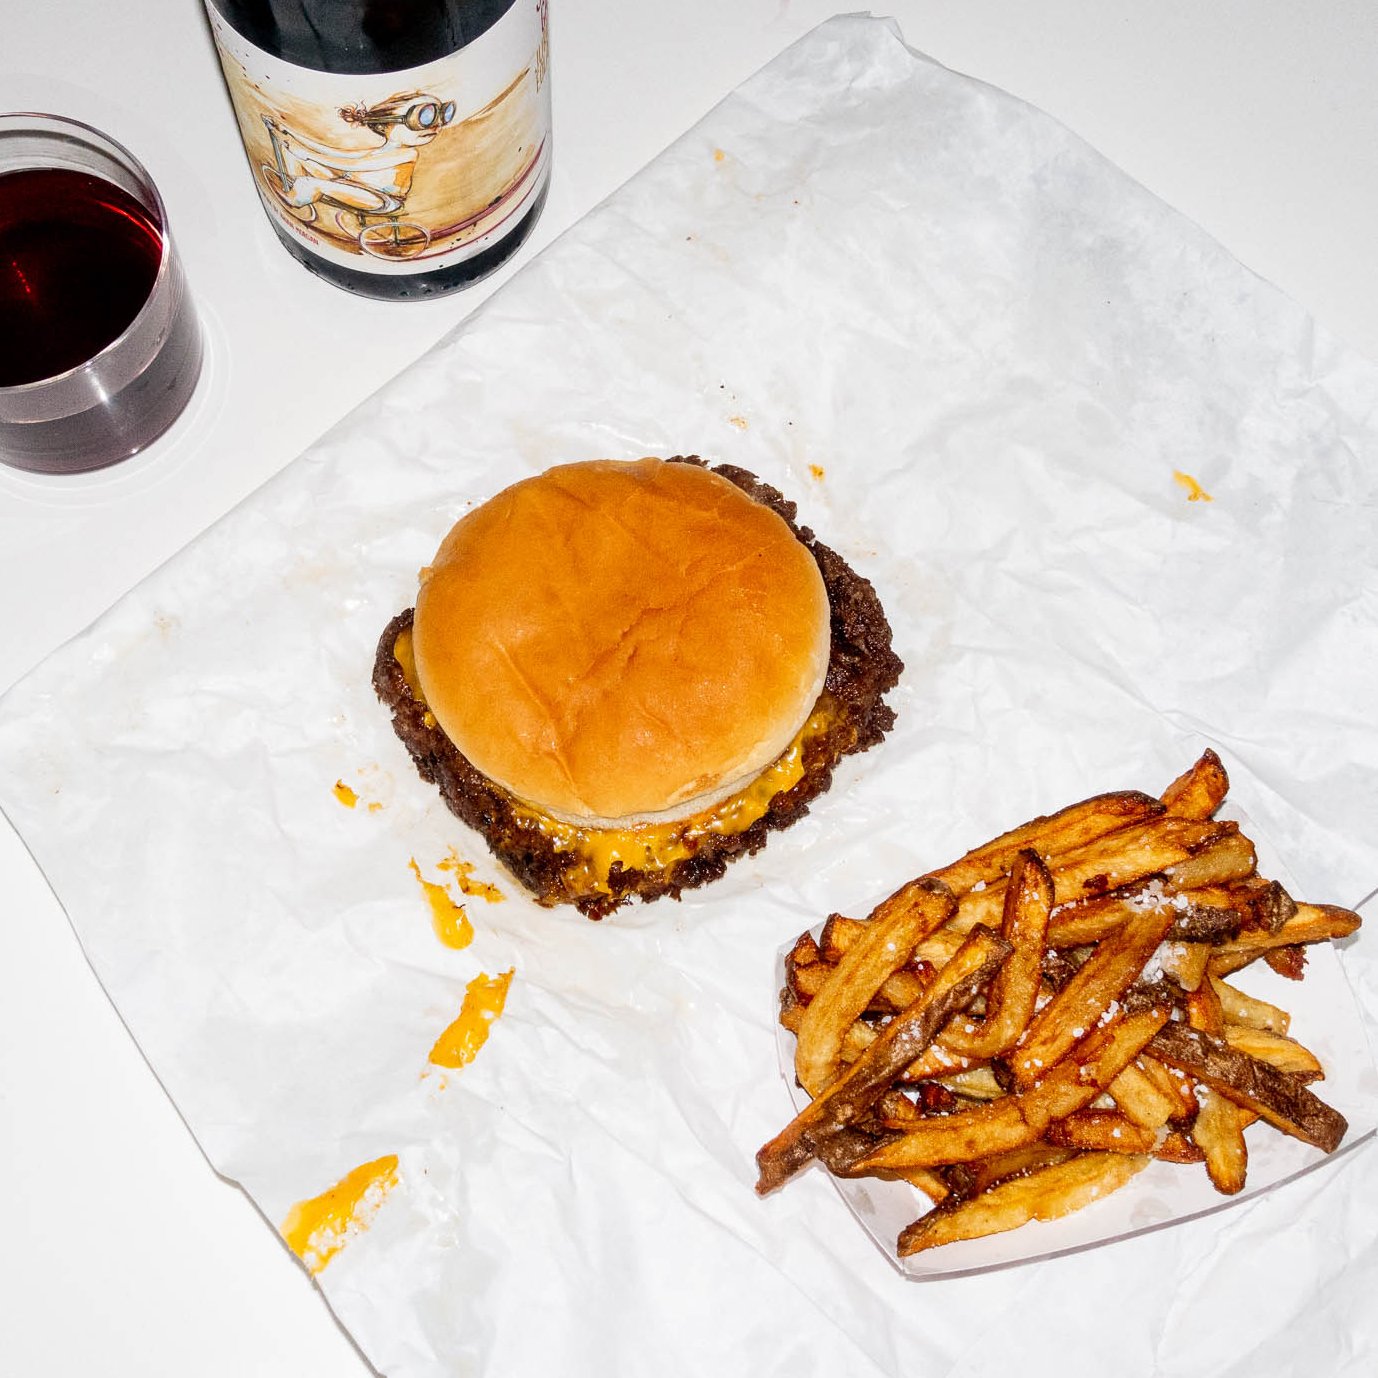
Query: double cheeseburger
pixel 624 675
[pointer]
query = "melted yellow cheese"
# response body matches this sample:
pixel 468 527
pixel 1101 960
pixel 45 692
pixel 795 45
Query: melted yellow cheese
pixel 345 795
pixel 316 1230
pixel 653 846
pixel 484 998
pixel 448 919
pixel 658 846
pixel 404 653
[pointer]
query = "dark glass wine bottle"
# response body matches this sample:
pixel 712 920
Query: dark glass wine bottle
pixel 400 147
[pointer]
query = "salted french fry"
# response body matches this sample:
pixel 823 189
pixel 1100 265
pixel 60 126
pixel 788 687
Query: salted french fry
pixel 895 1110
pixel 1199 791
pixel 859 1036
pixel 804 954
pixel 1045 1194
pixel 978 1083
pixel 1163 844
pixel 1259 903
pixel 1204 1011
pixel 1141 1100
pixel 901 923
pixel 1081 922
pixel 1218 1131
pixel 976 1176
pixel 1173 1082
pixel 1228 856
pixel 1102 1131
pixel 839 933
pixel 935 1064
pixel 1311 923
pixel 938 948
pixel 1013 992
pixel 1052 835
pixel 1186 963
pixel 1240 1008
pixel 1176 1147
pixel 1278 1097
pixel 1276 1049
pixel 899 990
pixel 804 982
pixel 851 1096
pixel 929 1182
pixel 1102 978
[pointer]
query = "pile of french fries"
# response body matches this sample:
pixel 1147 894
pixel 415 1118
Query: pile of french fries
pixel 1020 1033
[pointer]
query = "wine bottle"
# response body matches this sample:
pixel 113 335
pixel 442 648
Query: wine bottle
pixel 400 147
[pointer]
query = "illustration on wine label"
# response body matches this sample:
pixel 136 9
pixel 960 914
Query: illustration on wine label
pixel 367 187
pixel 388 180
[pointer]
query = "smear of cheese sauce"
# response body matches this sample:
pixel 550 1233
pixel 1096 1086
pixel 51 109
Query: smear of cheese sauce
pixel 656 846
pixel 404 653
pixel 316 1230
pixel 484 998
pixel 448 919
pixel 1195 493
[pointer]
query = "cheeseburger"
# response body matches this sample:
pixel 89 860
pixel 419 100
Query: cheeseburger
pixel 624 675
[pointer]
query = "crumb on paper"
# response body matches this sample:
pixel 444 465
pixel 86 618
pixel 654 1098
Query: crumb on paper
pixel 347 796
pixel 740 422
pixel 818 472
pixel 719 156
pixel 1195 493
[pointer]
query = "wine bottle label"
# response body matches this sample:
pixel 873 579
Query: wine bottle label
pixel 399 172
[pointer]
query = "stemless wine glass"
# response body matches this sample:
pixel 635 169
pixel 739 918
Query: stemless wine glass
pixel 100 346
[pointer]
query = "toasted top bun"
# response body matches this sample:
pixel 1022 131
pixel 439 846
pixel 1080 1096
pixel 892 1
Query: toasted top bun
pixel 615 642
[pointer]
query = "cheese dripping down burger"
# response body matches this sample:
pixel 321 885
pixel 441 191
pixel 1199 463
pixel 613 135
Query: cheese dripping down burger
pixel 624 675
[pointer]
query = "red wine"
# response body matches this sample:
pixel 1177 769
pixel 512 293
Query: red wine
pixel 78 259
pixel 401 148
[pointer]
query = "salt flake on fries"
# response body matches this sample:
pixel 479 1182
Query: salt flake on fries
pixel 1021 1033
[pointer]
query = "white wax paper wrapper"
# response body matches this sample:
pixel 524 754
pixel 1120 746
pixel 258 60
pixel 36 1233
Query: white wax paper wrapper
pixel 976 354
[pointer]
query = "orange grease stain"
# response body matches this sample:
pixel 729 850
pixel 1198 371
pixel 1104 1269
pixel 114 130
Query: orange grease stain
pixel 316 1230
pixel 1195 493
pixel 818 471
pixel 484 998
pixel 449 920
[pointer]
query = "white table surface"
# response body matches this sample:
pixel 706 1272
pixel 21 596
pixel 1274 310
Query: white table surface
pixel 121 1251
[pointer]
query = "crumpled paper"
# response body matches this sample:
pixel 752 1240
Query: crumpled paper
pixel 976 354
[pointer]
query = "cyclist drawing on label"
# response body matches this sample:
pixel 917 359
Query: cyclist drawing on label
pixel 366 188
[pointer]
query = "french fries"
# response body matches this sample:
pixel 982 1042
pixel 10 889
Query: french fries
pixel 1021 1032
pixel 1044 1194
